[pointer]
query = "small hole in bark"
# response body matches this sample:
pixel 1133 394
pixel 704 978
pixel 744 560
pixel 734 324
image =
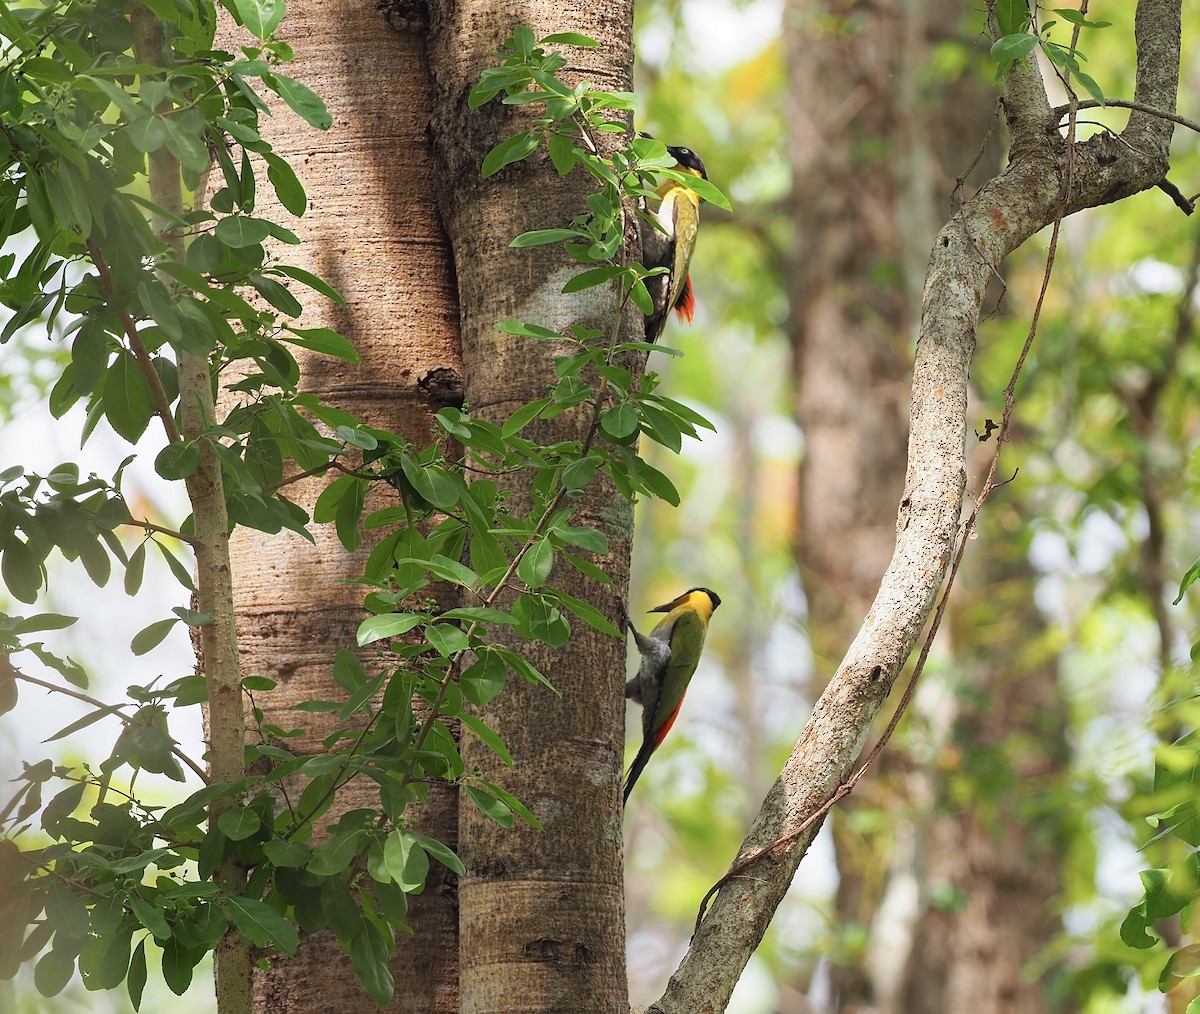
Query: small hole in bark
pixel 945 241
pixel 876 672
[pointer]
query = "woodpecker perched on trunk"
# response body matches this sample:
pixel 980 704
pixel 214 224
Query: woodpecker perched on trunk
pixel 677 211
pixel 670 654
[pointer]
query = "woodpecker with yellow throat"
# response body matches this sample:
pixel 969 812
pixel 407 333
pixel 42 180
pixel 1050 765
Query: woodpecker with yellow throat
pixel 670 654
pixel 677 212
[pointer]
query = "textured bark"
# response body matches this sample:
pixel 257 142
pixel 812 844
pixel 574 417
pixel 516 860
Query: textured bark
pixel 542 913
pixel 372 230
pixel 1006 212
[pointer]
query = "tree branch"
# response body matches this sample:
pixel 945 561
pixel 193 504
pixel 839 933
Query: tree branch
pixel 1009 209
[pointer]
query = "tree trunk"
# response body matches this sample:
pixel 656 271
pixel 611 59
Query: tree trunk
pixel 875 163
pixel 373 232
pixel 542 913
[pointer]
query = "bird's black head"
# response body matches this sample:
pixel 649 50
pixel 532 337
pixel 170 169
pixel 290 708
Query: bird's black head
pixel 716 599
pixel 688 159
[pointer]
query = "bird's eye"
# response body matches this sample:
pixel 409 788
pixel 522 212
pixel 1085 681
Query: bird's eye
pixel 684 151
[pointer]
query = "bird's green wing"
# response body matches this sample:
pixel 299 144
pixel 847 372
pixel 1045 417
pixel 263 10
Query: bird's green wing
pixel 687 642
pixel 686 214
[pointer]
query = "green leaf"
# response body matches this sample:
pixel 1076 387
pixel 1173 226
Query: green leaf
pixel 487 734
pixel 507 152
pixel 128 404
pixel 406 860
pixel 152 636
pixel 43 621
pixel 1092 87
pixel 447 639
pixel 543 237
pixel 523 330
pixel 149 916
pixel 446 569
pixel 656 483
pixel 484 678
pixel 1012 16
pixel 239 822
pixel 620 421
pixel 376 628
pixel 179 460
pixel 52 972
pixel 240 231
pixel 580 472
pixel 702 187
pixel 262 17
pixel 442 853
pixel 335 854
pixel 288 187
pixel 104 960
pixel 369 957
pixel 178 963
pixel 536 564
pixel 134 569
pixel 1073 16
pixel 1009 49
pixel 277 295
pixel 592 277
pixel 314 282
pixel 348 670
pixel 585 538
pixel 514 804
pixel 1188 580
pixel 22 570
pixel 179 571
pixel 135 981
pixel 286 853
pixel 262 925
pixel 478 614
pixel 523 416
pixel 537 618
pixel 587 612
pixel 569 39
pixel 495 808
pixel 302 99
pixel 562 153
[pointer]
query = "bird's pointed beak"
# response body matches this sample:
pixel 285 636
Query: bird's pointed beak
pixel 665 608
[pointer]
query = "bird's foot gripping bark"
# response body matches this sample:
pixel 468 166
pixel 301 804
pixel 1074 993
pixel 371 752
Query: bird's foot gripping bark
pixel 623 622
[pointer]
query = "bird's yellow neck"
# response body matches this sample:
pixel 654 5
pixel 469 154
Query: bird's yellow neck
pixel 699 602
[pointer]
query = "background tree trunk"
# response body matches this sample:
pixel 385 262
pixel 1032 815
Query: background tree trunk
pixel 542 913
pixel 877 144
pixel 373 232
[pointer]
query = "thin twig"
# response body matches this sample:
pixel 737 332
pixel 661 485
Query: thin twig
pixel 162 406
pixel 112 709
pixel 1061 111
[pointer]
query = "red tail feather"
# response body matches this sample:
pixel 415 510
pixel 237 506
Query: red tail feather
pixel 685 305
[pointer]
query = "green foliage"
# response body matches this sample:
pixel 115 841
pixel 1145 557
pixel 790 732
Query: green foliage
pixel 1016 42
pixel 91 872
pixel 573 119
